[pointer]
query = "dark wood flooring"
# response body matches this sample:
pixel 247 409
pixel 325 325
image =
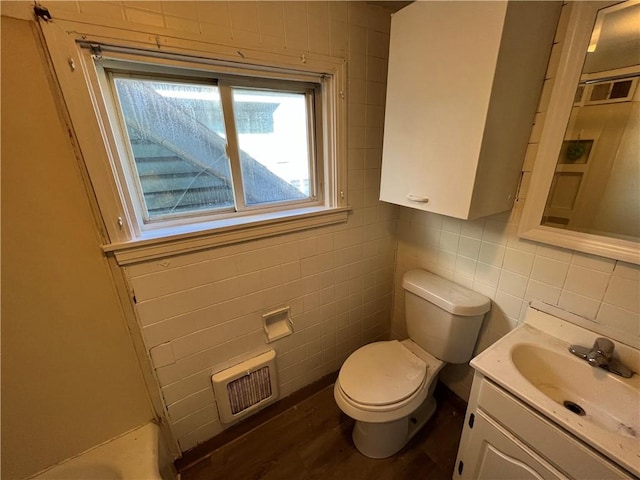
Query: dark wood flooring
pixel 312 440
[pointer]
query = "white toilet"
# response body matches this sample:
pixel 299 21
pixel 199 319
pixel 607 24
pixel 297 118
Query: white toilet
pixel 387 387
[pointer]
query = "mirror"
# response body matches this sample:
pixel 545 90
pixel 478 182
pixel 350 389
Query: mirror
pixel 585 186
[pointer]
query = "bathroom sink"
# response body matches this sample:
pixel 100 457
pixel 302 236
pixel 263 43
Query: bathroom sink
pixel 591 393
pixel 533 363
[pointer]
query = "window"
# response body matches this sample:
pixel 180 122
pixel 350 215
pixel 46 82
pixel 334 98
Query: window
pixel 195 145
pixel 197 148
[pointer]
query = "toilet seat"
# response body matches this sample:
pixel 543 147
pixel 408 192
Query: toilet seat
pixel 382 376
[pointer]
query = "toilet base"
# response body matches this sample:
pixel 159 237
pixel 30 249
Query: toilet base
pixel 381 440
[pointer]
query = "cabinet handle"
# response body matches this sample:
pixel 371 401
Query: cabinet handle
pixel 417 198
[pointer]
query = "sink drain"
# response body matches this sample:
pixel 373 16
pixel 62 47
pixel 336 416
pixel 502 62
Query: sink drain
pixel 574 407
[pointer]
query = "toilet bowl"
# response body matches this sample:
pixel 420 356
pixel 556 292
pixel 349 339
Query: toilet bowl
pixel 387 418
pixel 387 387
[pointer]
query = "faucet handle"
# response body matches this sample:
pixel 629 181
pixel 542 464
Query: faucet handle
pixel 603 346
pixel 601 355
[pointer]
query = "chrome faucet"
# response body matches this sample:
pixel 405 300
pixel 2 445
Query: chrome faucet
pixel 601 355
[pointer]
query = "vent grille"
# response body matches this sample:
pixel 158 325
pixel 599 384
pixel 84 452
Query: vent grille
pixel 248 390
pixel 246 387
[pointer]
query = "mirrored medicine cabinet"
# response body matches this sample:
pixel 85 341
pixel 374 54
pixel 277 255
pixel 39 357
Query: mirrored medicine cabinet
pixel 585 186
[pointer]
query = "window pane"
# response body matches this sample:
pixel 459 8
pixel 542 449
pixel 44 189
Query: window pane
pixel 274 145
pixel 178 141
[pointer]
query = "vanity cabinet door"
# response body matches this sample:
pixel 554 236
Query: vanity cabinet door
pixel 504 439
pixel 495 454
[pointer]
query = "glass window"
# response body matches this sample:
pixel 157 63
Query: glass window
pixel 178 147
pixel 198 147
pixel 272 130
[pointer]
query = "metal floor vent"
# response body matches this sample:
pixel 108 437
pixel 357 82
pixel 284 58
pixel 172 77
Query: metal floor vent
pixel 246 387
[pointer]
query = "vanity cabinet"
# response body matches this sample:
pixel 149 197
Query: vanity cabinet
pixel 505 439
pixel 499 455
pixel 463 84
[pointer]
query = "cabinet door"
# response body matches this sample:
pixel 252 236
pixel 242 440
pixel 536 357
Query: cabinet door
pixel 442 64
pixel 463 84
pixel 492 453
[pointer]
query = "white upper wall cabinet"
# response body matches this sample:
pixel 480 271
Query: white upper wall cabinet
pixel 463 86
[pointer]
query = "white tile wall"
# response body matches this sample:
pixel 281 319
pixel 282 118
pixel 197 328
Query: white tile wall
pixel 513 273
pixel 487 256
pixel 201 312
pixel 204 313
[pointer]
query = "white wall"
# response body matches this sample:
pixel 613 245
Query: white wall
pixel 618 210
pixel 201 312
pixel 70 377
pixel 487 256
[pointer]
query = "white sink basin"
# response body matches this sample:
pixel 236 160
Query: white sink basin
pixel 534 364
pixel 589 392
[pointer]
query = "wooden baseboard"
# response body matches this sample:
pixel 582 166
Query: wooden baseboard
pixel 268 413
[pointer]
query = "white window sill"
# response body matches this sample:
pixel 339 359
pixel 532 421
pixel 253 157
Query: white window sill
pixel 173 241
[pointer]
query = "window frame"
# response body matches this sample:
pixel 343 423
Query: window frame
pixel 225 84
pixel 72 46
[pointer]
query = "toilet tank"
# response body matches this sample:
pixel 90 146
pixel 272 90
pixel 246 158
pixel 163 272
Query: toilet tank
pixel 442 317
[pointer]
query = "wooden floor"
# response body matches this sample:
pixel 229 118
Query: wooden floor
pixel 312 440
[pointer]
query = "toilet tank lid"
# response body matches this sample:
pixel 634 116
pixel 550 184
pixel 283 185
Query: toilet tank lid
pixel 446 294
